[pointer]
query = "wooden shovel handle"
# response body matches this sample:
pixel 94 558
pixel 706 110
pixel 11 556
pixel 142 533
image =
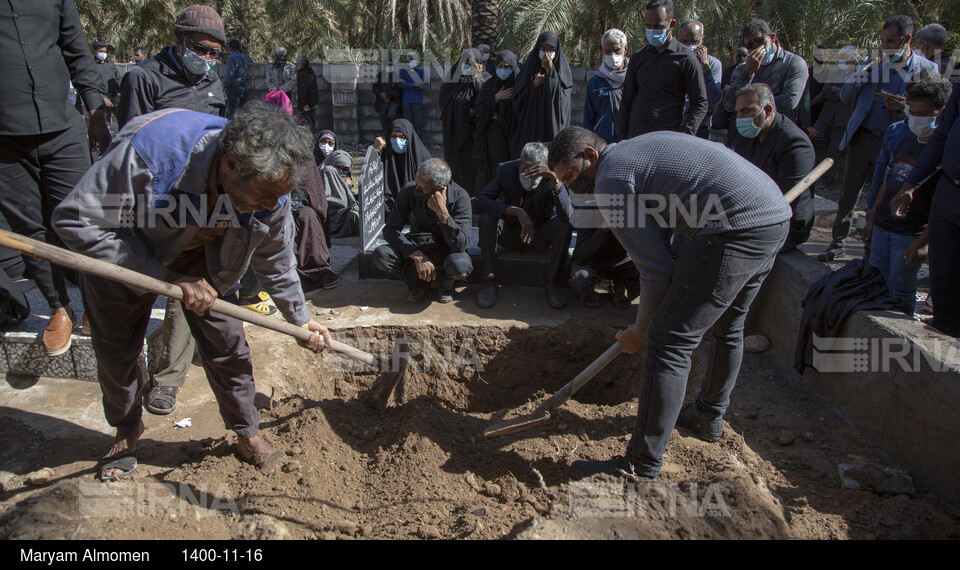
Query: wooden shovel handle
pixel 131 278
pixel 808 180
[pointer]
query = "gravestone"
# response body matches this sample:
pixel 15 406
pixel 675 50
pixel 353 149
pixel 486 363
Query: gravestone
pixel 372 212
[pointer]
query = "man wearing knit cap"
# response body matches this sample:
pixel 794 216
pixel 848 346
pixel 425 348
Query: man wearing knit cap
pixel 178 76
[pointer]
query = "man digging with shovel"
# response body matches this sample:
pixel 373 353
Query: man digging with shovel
pixel 650 188
pixel 191 199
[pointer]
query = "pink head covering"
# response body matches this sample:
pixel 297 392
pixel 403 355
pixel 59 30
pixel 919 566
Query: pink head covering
pixel 279 99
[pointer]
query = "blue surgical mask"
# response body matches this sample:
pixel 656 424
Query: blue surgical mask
pixel 747 126
pixel 503 74
pixel 768 58
pixel 842 65
pixel 923 127
pixel 467 69
pixel 196 64
pixel 399 145
pixel 657 38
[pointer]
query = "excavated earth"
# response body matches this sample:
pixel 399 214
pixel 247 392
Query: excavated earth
pixel 420 467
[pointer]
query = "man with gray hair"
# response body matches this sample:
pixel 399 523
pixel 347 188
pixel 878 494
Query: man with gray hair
pixel 777 146
pixel 191 199
pixel 931 41
pixel 518 211
pixel 282 75
pixel 605 88
pixel 435 249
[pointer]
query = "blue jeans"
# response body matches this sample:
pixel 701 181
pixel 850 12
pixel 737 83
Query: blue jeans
pixel 887 252
pixel 711 289
pixel 236 97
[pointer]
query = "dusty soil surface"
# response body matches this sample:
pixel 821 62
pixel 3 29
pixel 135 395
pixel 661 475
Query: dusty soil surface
pixel 421 468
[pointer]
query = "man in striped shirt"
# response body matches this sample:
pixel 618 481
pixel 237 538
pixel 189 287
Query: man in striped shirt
pixel 649 189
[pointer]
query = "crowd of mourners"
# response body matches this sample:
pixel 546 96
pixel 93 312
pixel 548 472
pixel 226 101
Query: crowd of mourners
pixel 667 120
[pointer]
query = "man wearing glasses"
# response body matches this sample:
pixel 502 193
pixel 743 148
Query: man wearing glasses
pixel 181 75
pixel 178 76
pixel 784 72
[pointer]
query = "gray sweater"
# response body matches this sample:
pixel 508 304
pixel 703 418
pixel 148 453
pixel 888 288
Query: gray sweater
pixel 661 183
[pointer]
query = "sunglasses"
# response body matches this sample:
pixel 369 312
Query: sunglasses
pixel 203 50
pixel 756 42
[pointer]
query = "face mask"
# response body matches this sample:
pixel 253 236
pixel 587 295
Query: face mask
pixel 552 54
pixel 486 56
pixel 399 145
pixel 196 64
pixel 923 127
pixel 768 58
pixel 818 61
pixel 748 128
pixel 657 38
pixel 467 69
pixel 613 61
pixel 421 196
pixel 528 184
pixel 101 56
pixel 503 74
pixel 691 48
pixel 413 63
pixel 898 56
pixel 842 65
pixel 582 185
pixel 326 149
pixel 389 69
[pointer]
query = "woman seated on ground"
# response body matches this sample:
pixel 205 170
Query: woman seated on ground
pixel 308 201
pixel 326 144
pixel 343 212
pixel 402 156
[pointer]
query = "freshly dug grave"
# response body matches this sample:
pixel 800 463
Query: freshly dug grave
pixel 421 468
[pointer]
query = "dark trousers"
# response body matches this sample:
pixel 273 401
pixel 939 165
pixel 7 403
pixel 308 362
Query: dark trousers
pixel 236 97
pixel 861 158
pixel 945 257
pixel 36 174
pixel 310 119
pixel 583 278
pixel 118 321
pixel 413 112
pixel 450 266
pixel 711 289
pixel 554 235
pixel 388 114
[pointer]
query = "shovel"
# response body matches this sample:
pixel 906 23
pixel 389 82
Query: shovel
pixel 545 410
pixel 383 387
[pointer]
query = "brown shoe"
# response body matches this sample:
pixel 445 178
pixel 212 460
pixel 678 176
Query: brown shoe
pixel 57 335
pixel 85 326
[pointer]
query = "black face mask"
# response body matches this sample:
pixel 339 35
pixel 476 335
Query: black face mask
pixel 582 185
pixel 421 196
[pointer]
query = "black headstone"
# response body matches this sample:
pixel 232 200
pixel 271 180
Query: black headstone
pixel 372 206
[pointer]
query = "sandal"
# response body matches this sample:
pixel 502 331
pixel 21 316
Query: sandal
pixel 265 461
pixel 590 300
pixel 161 400
pixel 127 463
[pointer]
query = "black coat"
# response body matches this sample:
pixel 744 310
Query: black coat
pixel 307 91
pixel 786 155
pixel 541 112
pixel 505 191
pixel 390 88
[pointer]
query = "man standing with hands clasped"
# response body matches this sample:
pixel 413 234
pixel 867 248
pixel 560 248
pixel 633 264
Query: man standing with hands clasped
pixel 647 188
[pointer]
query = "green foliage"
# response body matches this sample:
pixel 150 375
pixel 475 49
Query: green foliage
pixel 355 31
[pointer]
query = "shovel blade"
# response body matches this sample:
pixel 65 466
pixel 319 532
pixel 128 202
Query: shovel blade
pixel 515 425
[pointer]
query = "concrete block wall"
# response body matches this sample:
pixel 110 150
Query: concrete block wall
pixel 346 99
pixel 912 411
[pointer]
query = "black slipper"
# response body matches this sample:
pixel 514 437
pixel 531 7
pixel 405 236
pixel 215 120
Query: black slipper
pixel 126 462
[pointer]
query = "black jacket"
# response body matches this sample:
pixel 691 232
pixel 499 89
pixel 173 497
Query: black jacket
pixel 110 77
pixel 505 191
pixel 160 82
pixel 307 91
pixel 42 49
pixel 391 89
pixel 787 156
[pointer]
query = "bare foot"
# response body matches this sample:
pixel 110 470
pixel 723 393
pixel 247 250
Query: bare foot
pixel 122 445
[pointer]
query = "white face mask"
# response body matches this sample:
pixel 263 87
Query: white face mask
pixel 528 184
pixel 413 63
pixel 101 56
pixel 326 149
pixel 552 54
pixel 613 61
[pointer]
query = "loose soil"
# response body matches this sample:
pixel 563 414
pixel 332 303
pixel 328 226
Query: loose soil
pixel 421 468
